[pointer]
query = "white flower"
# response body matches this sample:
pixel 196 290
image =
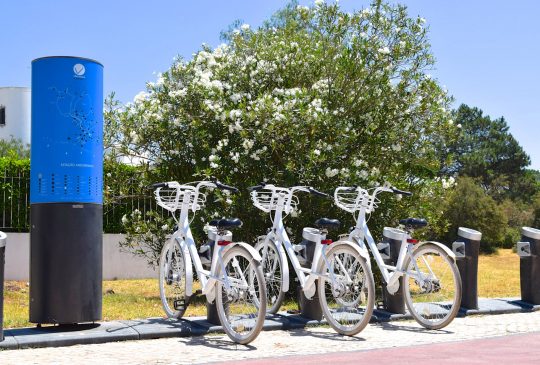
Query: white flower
pixel 125 219
pixel 319 2
pixel 164 227
pixel 459 125
pixel 140 97
pixel 317 152
pixel 247 144
pixel 362 174
pixel 448 183
pixel 450 122
pixel 236 98
pixel 235 156
pixel 396 147
pixel 235 114
pixel 295 212
pixel 331 172
pixel 134 137
pixel 213 158
pixel 177 93
pixel 244 27
pixel 193 162
pixel 384 50
pixel 214 165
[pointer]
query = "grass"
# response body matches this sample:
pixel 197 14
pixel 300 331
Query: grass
pixel 498 276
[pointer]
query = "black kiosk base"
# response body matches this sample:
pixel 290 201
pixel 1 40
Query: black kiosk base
pixel 66 259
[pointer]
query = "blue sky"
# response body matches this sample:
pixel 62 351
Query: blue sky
pixel 487 51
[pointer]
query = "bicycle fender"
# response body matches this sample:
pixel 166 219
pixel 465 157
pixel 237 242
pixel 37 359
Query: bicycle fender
pixel 285 266
pixel 361 252
pixel 189 267
pixel 445 249
pixel 253 252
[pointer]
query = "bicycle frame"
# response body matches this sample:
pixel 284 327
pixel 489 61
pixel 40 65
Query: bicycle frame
pixel 279 236
pixel 209 278
pixel 390 274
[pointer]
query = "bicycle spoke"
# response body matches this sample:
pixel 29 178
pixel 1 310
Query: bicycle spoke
pixel 345 295
pixel 431 288
pixel 241 303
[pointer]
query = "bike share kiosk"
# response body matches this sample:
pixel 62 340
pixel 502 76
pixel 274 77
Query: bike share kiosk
pixel 528 250
pixel 466 249
pixel 389 248
pixel 66 179
pixel 3 238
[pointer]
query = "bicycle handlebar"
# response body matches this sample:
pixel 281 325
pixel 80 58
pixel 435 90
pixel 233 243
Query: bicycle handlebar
pixel 318 193
pixel 158 185
pixel 222 186
pixel 256 187
pixel 401 192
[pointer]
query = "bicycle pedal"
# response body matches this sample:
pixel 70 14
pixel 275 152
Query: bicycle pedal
pixel 180 304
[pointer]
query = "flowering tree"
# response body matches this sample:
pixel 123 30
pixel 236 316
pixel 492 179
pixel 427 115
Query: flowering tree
pixel 315 96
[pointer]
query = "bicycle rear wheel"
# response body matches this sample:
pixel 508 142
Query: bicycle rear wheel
pixel 172 280
pixel 346 290
pixel 432 286
pixel 241 307
pixel 272 267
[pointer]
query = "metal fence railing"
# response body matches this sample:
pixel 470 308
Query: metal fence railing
pixel 15 204
pixel 15 201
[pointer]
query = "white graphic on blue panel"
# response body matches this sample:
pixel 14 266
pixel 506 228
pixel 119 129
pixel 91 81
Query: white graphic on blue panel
pixel 77 106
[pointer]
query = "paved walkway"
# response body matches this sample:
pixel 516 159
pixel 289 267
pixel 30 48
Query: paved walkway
pixel 516 349
pixel 275 344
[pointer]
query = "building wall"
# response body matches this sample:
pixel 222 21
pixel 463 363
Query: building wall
pixel 117 264
pixel 16 101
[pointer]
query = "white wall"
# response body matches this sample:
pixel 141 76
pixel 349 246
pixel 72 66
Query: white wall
pixel 117 264
pixel 16 100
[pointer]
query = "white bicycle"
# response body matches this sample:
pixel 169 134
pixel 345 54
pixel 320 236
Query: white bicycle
pixel 337 270
pixel 233 277
pixel 431 281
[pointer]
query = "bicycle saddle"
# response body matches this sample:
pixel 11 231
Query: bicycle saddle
pixel 414 222
pixel 226 223
pixel 327 223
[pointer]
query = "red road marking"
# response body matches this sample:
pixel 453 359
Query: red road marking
pixel 515 349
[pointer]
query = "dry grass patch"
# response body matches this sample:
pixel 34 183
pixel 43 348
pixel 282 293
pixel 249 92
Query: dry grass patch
pixel 498 276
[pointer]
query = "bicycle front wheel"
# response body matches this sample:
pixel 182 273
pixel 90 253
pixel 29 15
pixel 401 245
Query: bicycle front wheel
pixel 432 286
pixel 241 296
pixel 272 267
pixel 172 280
pixel 346 290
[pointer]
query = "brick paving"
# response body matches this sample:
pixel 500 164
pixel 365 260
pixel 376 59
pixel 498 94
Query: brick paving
pixel 309 341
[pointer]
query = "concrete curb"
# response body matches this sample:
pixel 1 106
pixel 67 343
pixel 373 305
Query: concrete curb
pixel 154 328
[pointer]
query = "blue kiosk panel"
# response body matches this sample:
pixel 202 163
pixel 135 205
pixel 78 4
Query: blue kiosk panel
pixel 67 131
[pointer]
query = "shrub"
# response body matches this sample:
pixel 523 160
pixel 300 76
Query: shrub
pixel 316 96
pixel 469 206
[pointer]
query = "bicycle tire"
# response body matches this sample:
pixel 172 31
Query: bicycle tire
pixel 432 310
pixel 236 318
pixel 272 267
pixel 172 276
pixel 337 312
